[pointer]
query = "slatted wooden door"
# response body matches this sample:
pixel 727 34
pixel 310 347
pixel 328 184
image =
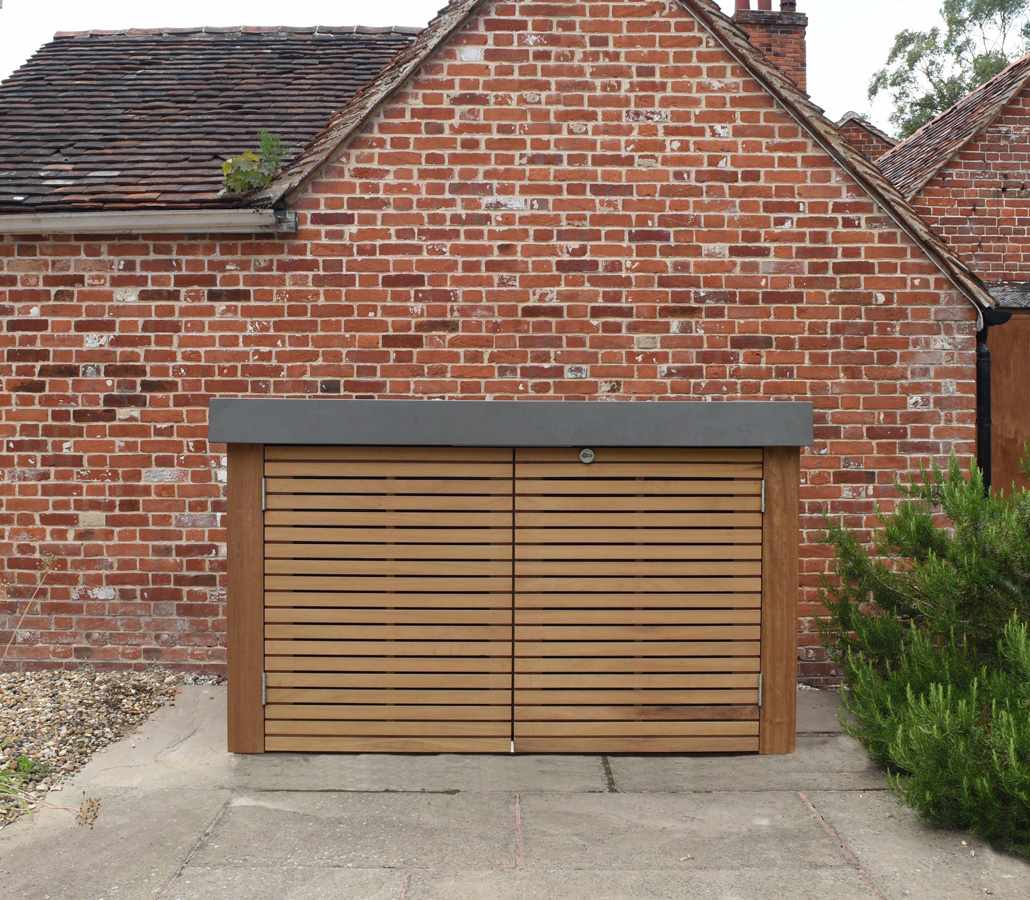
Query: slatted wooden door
pixel 638 601
pixel 388 599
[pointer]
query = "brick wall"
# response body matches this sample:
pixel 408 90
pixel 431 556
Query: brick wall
pixel 980 201
pixel 866 142
pixel 572 201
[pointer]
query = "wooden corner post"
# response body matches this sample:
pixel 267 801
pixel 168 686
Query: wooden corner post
pixel 781 538
pixel 246 598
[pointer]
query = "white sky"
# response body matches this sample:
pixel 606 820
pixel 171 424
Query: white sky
pixel 848 39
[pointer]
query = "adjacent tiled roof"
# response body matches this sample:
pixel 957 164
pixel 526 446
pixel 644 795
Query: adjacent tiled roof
pixel 144 118
pixel 350 119
pixel 916 160
pixel 1011 294
pixel 863 122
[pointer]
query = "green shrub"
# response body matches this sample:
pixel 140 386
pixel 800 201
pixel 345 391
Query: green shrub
pixel 929 628
pixel 253 170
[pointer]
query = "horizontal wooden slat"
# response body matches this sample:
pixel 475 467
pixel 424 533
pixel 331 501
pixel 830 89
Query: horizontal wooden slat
pixel 388 469
pixel 465 537
pixel 616 519
pixel 635 729
pixel 389 567
pixel 389 519
pixel 600 471
pixel 387 664
pixel 526 503
pixel 455 551
pixel 679 455
pixel 388 712
pixel 641 648
pixel 389 729
pixel 410 680
pixel 638 744
pixel 577 632
pixel 458 617
pixel 651 570
pixel 296 744
pixel 673 487
pixel 659 552
pixel 382 454
pixel 324 485
pixel 636 617
pixel 387 648
pixel 564 585
pixel 387 583
pixel 634 713
pixel 663 664
pixel 638 680
pixel 693 600
pixel 611 697
pixel 396 696
pixel 393 632
pixel 432 502
pixel 387 599
pixel 638 537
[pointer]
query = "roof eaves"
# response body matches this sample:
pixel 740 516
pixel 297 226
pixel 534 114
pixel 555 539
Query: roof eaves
pixel 364 104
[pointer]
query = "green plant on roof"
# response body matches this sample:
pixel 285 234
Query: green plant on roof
pixel 254 169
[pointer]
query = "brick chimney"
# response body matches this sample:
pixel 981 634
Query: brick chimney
pixel 780 34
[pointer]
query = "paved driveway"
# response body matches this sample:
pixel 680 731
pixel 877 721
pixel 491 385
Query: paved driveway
pixel 183 819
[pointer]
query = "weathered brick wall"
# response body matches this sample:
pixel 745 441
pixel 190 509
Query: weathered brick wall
pixel 558 207
pixel 866 142
pixel 980 201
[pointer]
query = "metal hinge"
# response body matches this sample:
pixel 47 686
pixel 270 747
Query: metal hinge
pixel 264 689
pixel 264 494
pixel 759 689
pixel 763 495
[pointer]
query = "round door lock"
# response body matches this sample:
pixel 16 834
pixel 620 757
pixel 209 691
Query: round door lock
pixel 587 456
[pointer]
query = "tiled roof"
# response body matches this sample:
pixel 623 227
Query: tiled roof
pixel 144 118
pixel 916 160
pixel 826 133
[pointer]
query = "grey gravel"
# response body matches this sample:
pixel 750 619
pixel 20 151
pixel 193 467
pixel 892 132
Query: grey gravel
pixel 55 720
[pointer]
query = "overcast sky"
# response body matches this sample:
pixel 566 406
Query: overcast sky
pixel 848 39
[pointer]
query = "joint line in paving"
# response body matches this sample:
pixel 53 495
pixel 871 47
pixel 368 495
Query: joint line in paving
pixel 845 848
pixel 609 775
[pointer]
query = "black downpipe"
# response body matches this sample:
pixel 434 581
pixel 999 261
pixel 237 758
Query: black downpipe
pixel 984 424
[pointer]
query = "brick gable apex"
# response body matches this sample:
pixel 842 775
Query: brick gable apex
pixel 517 16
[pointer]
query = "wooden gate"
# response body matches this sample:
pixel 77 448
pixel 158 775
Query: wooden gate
pixel 638 598
pixel 491 600
pixel 388 599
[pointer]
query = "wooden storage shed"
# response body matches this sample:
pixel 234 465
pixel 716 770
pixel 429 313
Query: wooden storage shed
pixel 467 576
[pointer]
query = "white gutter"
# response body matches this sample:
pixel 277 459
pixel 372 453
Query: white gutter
pixel 152 221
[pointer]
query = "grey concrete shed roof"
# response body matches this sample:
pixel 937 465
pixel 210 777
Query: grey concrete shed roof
pixel 479 423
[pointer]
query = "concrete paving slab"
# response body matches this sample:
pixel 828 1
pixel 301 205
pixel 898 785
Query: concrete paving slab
pixel 370 772
pixel 198 883
pixel 680 831
pixel 362 830
pixel 826 762
pixel 906 859
pixel 653 884
pixel 818 711
pixel 139 841
pixel 182 744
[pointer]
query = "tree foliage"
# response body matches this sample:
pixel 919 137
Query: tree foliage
pixel 929 71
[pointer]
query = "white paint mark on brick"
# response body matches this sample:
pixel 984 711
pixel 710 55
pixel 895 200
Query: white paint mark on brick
pixel 165 476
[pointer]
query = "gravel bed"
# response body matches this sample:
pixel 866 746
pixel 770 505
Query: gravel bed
pixel 53 721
